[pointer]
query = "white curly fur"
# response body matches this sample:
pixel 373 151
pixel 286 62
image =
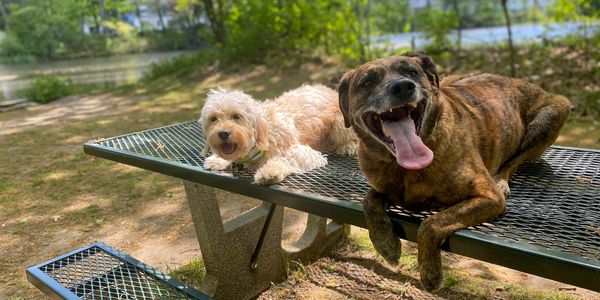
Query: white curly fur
pixel 292 130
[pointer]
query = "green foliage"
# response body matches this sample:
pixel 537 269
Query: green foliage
pixel 124 38
pixel 283 29
pixel 177 39
pixel 436 25
pixel 36 30
pixel 566 66
pixel 47 88
pixel 50 29
pixel 391 16
pixel 575 10
pixel 180 65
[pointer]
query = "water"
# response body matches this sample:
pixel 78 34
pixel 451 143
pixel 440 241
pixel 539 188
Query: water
pixel 490 35
pixel 112 70
pixel 124 69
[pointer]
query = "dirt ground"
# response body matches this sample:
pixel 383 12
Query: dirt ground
pixel 54 199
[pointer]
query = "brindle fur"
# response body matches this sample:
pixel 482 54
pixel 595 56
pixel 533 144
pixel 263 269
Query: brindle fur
pixel 480 129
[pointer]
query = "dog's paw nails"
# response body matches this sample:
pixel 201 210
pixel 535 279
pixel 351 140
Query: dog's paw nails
pixel 268 178
pixel 388 246
pixel 216 164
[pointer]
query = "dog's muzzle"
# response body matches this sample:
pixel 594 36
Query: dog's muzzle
pixel 398 126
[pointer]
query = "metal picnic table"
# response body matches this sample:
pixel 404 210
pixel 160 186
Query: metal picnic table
pixel 551 228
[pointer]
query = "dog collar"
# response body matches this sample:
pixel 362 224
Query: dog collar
pixel 253 156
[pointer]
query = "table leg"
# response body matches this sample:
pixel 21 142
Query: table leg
pixel 227 247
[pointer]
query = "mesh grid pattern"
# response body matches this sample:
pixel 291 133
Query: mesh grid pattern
pixel 554 203
pixel 94 273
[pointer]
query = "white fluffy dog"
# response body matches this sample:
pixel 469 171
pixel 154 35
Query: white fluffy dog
pixel 274 138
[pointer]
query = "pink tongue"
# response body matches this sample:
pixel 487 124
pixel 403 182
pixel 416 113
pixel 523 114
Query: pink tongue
pixel 411 153
pixel 228 148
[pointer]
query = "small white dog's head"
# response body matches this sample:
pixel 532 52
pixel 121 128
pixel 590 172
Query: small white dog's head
pixel 232 124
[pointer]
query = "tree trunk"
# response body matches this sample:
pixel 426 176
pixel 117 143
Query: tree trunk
pixel 4 16
pixel 160 15
pixel 459 30
pixel 368 30
pixel 216 20
pixel 139 16
pixel 510 41
pixel 96 24
pixel 102 15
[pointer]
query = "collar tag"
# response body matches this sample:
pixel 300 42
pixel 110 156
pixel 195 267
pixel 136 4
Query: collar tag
pixel 253 157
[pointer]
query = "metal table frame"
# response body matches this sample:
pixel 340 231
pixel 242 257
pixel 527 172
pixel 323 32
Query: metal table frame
pixel 557 265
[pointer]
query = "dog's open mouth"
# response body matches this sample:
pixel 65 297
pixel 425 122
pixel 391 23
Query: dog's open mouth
pixel 399 130
pixel 227 148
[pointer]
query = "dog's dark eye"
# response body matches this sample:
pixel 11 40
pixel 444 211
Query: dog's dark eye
pixel 236 117
pixel 368 82
pixel 213 119
pixel 412 72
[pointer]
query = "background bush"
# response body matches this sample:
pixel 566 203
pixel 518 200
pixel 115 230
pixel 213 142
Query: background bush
pixel 47 88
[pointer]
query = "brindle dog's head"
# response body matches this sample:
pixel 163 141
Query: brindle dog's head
pixel 382 97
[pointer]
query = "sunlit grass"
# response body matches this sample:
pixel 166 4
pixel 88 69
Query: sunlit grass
pixel 192 273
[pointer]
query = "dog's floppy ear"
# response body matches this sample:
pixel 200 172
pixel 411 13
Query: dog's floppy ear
pixel 428 66
pixel 262 138
pixel 343 89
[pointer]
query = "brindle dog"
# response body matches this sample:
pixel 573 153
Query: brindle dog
pixel 451 145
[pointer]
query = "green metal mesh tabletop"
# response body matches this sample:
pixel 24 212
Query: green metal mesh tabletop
pixel 551 228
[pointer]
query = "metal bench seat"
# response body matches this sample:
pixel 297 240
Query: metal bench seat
pixel 551 228
pixel 98 271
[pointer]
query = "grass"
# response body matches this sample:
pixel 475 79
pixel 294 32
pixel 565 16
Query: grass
pixel 191 273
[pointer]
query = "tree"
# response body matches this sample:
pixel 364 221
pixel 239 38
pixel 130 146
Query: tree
pixel 4 16
pixel 458 15
pixel 139 16
pixel 436 25
pixel 215 12
pixel 510 41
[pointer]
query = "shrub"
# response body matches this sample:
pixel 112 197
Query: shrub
pixel 46 88
pixel 180 65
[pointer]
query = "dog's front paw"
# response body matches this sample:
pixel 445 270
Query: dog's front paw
pixel 268 176
pixel 429 254
pixel 387 244
pixel 216 163
pixel 381 231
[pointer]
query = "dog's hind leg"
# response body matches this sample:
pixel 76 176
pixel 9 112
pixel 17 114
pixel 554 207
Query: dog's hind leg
pixel 274 170
pixel 543 126
pixel 381 231
pixel 305 158
pixel 300 158
pixel 343 139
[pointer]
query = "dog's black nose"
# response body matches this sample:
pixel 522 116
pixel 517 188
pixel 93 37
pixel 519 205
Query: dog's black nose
pixel 223 135
pixel 402 88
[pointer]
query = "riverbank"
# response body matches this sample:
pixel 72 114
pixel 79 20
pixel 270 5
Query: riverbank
pixel 107 72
